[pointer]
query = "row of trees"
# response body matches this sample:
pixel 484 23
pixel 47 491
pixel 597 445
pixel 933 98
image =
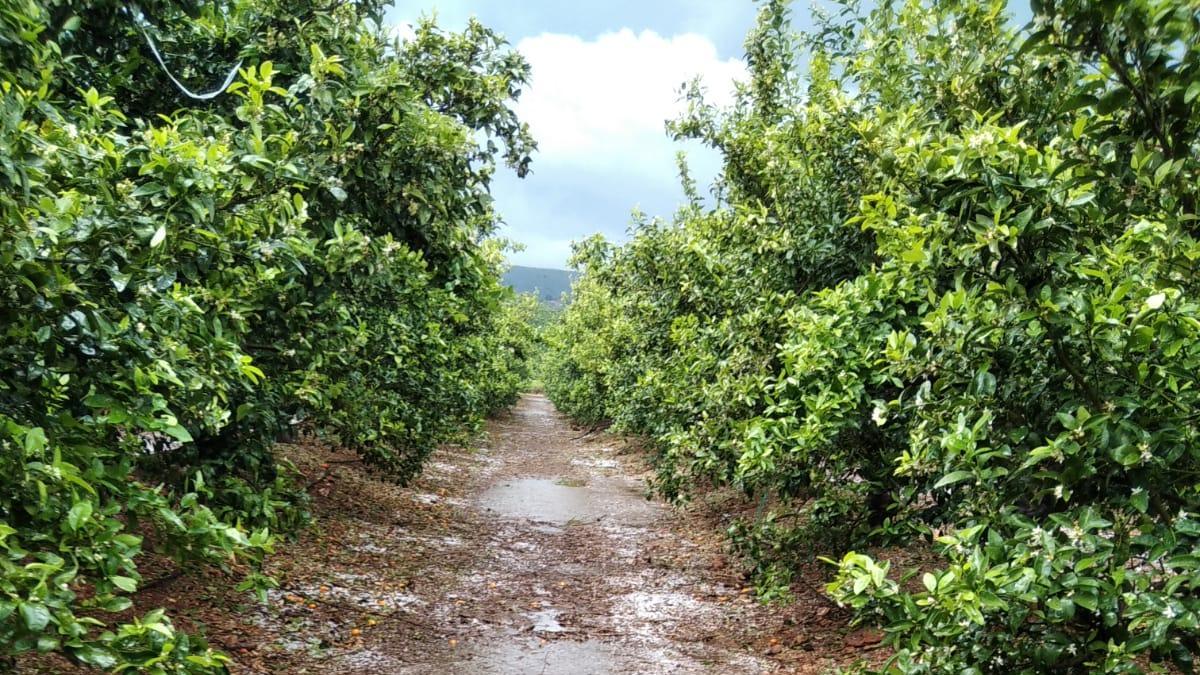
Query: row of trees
pixel 184 278
pixel 947 293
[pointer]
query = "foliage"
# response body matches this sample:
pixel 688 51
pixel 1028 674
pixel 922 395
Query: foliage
pixel 182 281
pixel 947 293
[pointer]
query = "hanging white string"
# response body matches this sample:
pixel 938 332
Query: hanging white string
pixel 142 25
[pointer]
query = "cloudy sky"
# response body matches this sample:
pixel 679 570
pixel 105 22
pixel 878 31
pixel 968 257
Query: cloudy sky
pixel 606 75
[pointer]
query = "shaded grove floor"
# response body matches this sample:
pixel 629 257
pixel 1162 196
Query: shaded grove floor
pixel 535 553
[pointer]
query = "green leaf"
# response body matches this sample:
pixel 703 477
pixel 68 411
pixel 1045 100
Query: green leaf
pixel 1162 172
pixel 95 656
pixel 1034 40
pixel 35 615
pixel 1087 599
pixel 984 383
pixel 1141 338
pixel 915 253
pixel 148 189
pixel 35 441
pixel 1078 101
pixel 179 433
pixel 116 604
pixel 159 235
pixel 79 514
pixel 952 478
pixel 120 281
pixel 1139 500
pixel 124 583
pixel 1184 562
pixel 1193 91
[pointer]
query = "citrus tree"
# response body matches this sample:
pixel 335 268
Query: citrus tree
pixel 220 221
pixel 947 294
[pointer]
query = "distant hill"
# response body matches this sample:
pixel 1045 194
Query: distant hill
pixel 548 284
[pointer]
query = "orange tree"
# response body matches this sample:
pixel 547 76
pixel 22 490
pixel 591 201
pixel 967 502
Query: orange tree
pixel 188 271
pixel 948 293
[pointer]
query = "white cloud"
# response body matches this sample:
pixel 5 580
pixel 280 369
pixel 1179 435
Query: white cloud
pixel 606 100
pixel 597 108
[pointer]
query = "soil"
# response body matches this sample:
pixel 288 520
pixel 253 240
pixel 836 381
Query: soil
pixel 537 552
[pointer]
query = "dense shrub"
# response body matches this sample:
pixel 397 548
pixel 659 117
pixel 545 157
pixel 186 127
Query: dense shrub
pixel 947 293
pixel 182 281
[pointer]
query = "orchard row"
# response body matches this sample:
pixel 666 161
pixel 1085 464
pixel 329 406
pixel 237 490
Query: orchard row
pixel 945 296
pixel 188 273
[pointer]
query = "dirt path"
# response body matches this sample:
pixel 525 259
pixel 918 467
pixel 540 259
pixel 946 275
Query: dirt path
pixel 569 575
pixel 557 568
pixel 535 553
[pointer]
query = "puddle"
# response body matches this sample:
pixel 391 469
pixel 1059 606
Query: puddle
pixel 380 599
pixel 657 607
pixel 546 621
pixel 549 501
pixel 560 657
pixel 597 463
pixel 366 661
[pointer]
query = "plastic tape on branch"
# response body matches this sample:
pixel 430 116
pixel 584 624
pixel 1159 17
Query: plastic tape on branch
pixel 136 14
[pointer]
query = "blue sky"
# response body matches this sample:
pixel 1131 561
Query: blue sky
pixel 605 78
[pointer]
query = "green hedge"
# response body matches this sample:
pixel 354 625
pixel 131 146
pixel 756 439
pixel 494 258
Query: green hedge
pixel 948 293
pixel 182 281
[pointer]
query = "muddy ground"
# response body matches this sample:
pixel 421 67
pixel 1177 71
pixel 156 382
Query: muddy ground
pixel 535 552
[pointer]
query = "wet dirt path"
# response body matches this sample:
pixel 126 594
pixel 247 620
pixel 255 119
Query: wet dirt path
pixel 566 580
pixel 535 552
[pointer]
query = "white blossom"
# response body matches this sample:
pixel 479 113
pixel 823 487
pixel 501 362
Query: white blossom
pixel 879 415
